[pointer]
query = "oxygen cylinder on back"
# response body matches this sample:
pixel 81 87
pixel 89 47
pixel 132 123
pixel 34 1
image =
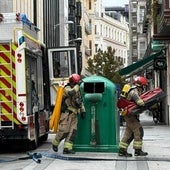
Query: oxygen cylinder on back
pixel 125 90
pixel 123 102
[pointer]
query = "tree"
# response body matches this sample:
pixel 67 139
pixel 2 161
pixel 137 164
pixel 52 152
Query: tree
pixel 105 64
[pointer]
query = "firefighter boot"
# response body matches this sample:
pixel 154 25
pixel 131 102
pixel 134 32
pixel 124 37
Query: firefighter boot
pixel 55 148
pixel 139 152
pixel 68 148
pixel 68 151
pixel 123 152
pixel 55 145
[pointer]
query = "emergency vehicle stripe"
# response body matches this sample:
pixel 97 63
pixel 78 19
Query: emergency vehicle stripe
pixel 4 96
pixel 5 82
pixel 4 70
pixel 4 59
pixel 6 47
pixel 4 118
pixel 14 47
pixel 7 109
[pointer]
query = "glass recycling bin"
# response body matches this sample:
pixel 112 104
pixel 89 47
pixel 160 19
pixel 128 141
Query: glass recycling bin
pixel 99 130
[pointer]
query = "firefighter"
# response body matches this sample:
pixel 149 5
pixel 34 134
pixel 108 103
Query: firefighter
pixel 71 106
pixel 134 130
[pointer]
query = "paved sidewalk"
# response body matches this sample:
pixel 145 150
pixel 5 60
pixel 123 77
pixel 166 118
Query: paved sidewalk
pixel 156 143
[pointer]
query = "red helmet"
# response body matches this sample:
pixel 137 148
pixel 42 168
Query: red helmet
pixel 74 78
pixel 140 81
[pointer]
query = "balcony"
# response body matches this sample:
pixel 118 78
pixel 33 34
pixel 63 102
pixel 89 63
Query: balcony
pixel 88 29
pixel 134 26
pixel 72 3
pixel 134 31
pixel 87 51
pixel 134 59
pixel 162 23
pixel 134 44
pixel 163 27
pixel 147 17
pixel 134 52
pixel 148 50
pixel 146 23
pixel 134 13
pixel 134 41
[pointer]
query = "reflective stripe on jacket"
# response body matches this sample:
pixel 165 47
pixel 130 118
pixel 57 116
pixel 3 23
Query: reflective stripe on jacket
pixel 134 96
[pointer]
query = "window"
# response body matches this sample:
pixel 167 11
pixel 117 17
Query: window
pixel 142 45
pixel 101 30
pixel 141 15
pixel 96 48
pixel 106 31
pixel 95 29
pixel 89 4
pixel 90 46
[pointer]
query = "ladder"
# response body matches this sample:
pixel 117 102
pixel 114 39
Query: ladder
pixel 6 86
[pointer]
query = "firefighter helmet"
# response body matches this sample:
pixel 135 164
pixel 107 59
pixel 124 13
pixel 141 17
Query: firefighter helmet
pixel 140 81
pixel 74 78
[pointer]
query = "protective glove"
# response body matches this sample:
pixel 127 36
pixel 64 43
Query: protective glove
pixel 83 115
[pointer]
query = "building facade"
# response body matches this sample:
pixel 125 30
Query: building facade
pixel 138 38
pixel 157 34
pixel 87 23
pixel 137 44
pixel 112 29
pixel 149 46
pixel 90 24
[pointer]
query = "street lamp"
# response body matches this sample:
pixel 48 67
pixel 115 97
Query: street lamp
pixel 77 42
pixel 74 40
pixel 68 22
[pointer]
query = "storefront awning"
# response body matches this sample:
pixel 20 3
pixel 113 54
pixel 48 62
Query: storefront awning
pixel 140 65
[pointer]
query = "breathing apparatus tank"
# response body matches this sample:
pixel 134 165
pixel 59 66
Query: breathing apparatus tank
pixel 125 90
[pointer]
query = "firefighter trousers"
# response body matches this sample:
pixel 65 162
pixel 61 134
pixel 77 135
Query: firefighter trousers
pixel 67 128
pixel 134 131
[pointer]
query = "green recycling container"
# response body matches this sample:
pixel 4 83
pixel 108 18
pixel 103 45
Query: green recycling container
pixel 99 130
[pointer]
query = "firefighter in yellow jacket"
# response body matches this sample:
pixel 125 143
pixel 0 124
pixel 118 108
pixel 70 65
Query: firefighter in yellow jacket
pixel 134 130
pixel 72 105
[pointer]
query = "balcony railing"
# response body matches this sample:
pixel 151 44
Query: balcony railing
pixel 163 23
pixel 146 23
pixel 161 19
pixel 147 16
